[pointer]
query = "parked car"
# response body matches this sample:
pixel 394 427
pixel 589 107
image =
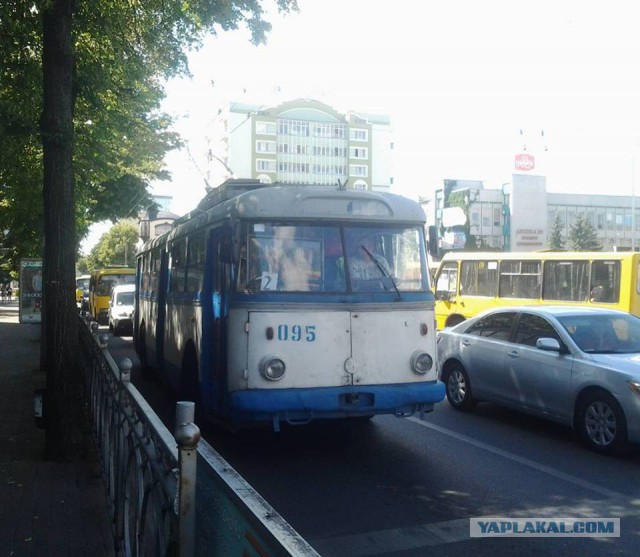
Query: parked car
pixel 120 312
pixel 577 366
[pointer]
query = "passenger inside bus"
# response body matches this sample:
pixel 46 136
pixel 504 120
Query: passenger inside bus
pixel 367 264
pixel 596 294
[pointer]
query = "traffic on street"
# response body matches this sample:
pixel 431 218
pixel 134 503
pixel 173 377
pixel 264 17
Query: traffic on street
pixel 404 486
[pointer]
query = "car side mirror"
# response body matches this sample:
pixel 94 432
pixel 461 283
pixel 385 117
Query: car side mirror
pixel 548 344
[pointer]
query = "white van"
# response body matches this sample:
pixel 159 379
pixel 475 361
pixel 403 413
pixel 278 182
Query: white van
pixel 121 309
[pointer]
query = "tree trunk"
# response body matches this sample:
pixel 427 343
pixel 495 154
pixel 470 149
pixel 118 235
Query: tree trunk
pixel 64 403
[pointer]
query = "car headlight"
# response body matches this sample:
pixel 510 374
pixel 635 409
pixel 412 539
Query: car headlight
pixel 272 368
pixel 421 362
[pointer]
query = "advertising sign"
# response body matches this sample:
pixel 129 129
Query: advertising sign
pixel 525 162
pixel 30 290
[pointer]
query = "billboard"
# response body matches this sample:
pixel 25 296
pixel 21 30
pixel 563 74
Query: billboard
pixel 30 290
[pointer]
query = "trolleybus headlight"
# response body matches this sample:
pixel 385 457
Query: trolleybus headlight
pixel 421 362
pixel 272 368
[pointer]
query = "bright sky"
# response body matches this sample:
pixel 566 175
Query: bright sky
pixel 459 80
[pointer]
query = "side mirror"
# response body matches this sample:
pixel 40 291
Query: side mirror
pixel 432 241
pixel 548 345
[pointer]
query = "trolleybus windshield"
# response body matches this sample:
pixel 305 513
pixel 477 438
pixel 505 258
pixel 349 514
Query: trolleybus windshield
pixel 335 258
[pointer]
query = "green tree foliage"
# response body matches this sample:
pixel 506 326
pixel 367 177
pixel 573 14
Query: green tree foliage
pixel 123 51
pixel 116 247
pixel 82 266
pixel 556 241
pixel 80 90
pixel 582 235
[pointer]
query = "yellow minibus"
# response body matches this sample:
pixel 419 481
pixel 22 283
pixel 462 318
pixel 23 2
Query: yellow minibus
pixel 100 287
pixel 467 283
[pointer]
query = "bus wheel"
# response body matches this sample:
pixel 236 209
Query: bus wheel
pixel 458 388
pixel 454 320
pixel 601 423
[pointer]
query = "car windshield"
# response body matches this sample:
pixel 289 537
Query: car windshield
pixel 296 258
pixel 125 299
pixel 82 284
pixel 604 334
pixel 106 283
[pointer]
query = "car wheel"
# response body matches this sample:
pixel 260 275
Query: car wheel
pixel 602 424
pixel 458 388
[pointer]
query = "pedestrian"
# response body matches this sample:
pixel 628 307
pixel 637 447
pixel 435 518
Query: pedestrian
pixel 9 292
pixel 2 292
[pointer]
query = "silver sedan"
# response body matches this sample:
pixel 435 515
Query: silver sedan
pixel 577 366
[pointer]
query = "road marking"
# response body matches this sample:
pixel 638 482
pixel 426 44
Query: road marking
pixel 422 536
pixel 457 530
pixel 521 460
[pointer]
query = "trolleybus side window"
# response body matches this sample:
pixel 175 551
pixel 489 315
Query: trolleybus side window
pixel 195 262
pixel 154 270
pixel 145 266
pixel 178 266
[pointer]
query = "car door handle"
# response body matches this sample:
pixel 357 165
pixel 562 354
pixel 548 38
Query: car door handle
pixel 513 354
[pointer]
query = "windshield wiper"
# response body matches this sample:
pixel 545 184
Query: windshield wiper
pixel 383 270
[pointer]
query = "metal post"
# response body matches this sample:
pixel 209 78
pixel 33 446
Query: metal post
pixel 187 435
pixel 125 367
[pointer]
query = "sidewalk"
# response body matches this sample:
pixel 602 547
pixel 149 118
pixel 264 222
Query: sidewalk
pixel 46 508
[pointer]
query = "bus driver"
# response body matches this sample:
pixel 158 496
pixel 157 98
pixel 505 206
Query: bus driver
pixel 365 263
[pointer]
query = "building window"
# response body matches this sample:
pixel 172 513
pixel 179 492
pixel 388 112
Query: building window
pixel 497 216
pixel 265 146
pixel 293 127
pixel 358 170
pixel 265 165
pixel 266 128
pixel 359 152
pixel 357 134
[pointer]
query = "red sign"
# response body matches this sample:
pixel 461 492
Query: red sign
pixel 525 162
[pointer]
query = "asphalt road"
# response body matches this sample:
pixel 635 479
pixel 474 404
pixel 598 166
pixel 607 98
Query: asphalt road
pixel 405 487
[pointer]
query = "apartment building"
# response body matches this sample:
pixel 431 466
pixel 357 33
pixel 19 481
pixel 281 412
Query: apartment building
pixel 307 142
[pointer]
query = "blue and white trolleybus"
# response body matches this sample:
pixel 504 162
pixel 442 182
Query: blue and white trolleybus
pixel 284 303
